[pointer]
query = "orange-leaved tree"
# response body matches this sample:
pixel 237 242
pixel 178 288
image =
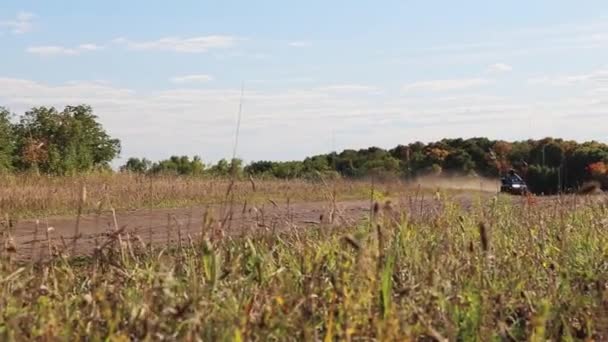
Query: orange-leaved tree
pixel 599 172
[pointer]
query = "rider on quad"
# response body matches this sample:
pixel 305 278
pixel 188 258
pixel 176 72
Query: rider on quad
pixel 513 183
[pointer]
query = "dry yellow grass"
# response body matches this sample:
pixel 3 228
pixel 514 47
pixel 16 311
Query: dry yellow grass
pixel 495 271
pixel 33 196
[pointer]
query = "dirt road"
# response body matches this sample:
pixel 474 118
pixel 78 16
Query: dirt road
pixel 166 226
pixel 162 226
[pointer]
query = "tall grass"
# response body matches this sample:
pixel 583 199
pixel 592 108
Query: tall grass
pixel 495 271
pixel 38 196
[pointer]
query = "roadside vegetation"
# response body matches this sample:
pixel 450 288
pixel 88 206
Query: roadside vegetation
pixel 549 166
pixel 496 271
pixel 38 197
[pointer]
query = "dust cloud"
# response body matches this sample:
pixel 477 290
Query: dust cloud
pixel 473 183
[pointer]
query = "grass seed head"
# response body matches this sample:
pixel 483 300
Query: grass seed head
pixel 43 290
pixel 10 245
pixel 352 242
pixel 484 236
pixel 376 208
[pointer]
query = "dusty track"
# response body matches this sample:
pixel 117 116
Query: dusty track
pixel 163 226
pixel 166 226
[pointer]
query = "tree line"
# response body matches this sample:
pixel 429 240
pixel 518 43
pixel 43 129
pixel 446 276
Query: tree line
pixel 548 165
pixel 46 140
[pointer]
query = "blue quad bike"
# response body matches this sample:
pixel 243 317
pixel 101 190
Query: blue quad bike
pixel 513 184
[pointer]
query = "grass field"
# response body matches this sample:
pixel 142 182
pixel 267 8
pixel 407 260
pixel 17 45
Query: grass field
pixel 40 196
pixel 498 268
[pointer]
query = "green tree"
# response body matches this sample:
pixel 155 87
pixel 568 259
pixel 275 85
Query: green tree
pixel 64 142
pixel 459 161
pixel 479 150
pixel 7 141
pixel 227 168
pixel 543 179
pixel 547 152
pixel 136 165
pixel 519 153
pixel 288 170
pixel 179 165
pixel 236 167
pixel 260 167
pixel 576 162
pixel 221 168
pixel 316 164
pixel 345 163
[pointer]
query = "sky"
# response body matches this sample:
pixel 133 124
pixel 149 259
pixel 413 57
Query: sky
pixel 315 76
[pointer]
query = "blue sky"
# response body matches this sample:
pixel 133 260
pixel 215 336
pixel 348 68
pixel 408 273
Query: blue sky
pixel 165 78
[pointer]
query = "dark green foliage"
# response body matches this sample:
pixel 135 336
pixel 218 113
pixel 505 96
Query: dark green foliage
pixel 226 168
pixel 548 153
pixel 137 165
pixel 316 163
pixel 284 170
pixel 179 166
pixel 184 166
pixel 460 161
pixel 543 179
pixel 7 141
pixel 548 165
pixel 46 140
pixel 577 160
pixel 260 167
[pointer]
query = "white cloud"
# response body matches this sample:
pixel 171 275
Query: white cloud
pixel 517 43
pixel 600 91
pixel 89 47
pixel 51 50
pixel 120 40
pixel 282 80
pixel 446 85
pixel 177 44
pixel 300 44
pixel 192 78
pixel 572 34
pixel 594 78
pixel 348 88
pixel 463 47
pixel 301 118
pixel 26 93
pixel 22 23
pixel 500 68
pixel 57 50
